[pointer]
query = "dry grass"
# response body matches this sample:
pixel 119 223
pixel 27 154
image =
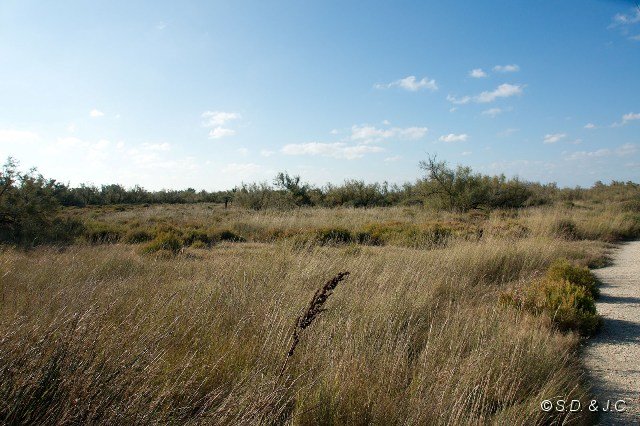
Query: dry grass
pixel 108 334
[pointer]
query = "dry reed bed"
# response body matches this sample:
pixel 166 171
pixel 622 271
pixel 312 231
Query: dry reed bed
pixel 104 334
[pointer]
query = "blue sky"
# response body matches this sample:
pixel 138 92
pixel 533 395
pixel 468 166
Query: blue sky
pixel 208 94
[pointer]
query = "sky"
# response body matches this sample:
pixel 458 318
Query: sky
pixel 209 94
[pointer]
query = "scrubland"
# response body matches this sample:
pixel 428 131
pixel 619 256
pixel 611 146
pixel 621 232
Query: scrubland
pixel 184 314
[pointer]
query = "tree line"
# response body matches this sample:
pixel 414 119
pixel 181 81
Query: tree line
pixel 30 203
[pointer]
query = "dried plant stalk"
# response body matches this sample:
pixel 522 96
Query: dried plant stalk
pixel 314 309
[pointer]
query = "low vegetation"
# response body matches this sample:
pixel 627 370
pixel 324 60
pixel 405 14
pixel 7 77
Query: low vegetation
pixel 458 310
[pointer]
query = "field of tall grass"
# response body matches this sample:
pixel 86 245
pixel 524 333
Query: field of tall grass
pixel 185 314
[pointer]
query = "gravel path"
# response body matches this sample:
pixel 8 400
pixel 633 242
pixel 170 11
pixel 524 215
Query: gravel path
pixel 613 356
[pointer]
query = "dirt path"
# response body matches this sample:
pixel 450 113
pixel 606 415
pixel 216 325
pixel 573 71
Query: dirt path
pixel 613 356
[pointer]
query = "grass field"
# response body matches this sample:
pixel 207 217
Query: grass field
pixel 184 314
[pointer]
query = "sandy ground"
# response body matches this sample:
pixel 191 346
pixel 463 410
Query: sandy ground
pixel 613 356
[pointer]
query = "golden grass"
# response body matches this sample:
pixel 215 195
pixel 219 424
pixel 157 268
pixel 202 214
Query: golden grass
pixel 108 334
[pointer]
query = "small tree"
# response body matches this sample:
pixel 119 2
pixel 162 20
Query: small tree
pixel 299 192
pixel 29 208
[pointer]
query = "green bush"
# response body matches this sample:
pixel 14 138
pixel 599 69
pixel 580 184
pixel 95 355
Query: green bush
pixel 199 245
pixel 164 242
pixel 563 270
pixel 568 307
pixel 227 235
pixel 567 229
pixel 137 236
pixel 325 236
pixel 193 236
pixel 102 234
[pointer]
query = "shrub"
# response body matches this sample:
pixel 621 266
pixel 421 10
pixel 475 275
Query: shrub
pixel 164 242
pixel 137 236
pixel 193 236
pixel 227 235
pixel 566 228
pixel 563 270
pixel 325 236
pixel 102 234
pixel 199 245
pixel 569 307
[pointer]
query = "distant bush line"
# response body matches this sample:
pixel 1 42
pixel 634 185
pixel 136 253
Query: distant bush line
pixel 30 204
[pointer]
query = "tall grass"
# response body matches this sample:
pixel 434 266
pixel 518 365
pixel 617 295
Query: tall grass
pixel 108 334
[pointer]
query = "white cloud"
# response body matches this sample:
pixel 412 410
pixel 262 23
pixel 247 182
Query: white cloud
pixel 94 113
pixel 507 132
pixel 493 112
pixel 161 26
pixel 626 150
pixel 451 137
pixel 243 151
pixel 635 37
pixel 71 128
pixel 622 151
pixel 267 153
pixel 465 153
pixel 411 84
pixel 506 68
pixel 335 150
pixel 17 136
pixel 626 119
pixel 459 101
pixel 623 19
pixel 371 134
pixel 554 137
pixel 477 73
pixel 503 91
pixel 582 155
pixel 221 132
pixel 217 120
pixel 590 126
pixel 393 159
pixel 630 117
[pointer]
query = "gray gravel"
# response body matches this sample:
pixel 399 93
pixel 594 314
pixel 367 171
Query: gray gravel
pixel 613 356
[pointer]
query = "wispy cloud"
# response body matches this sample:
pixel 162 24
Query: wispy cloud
pixel 554 137
pixel 493 112
pixel 626 19
pixel 410 83
pixel 95 113
pixel 625 150
pixel 452 137
pixel 336 150
pixel 626 119
pixel 267 153
pixel 371 134
pixel 590 126
pixel 393 159
pixel 506 68
pixel 477 73
pixel 459 101
pixel 503 91
pixel 217 120
pixel 507 132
